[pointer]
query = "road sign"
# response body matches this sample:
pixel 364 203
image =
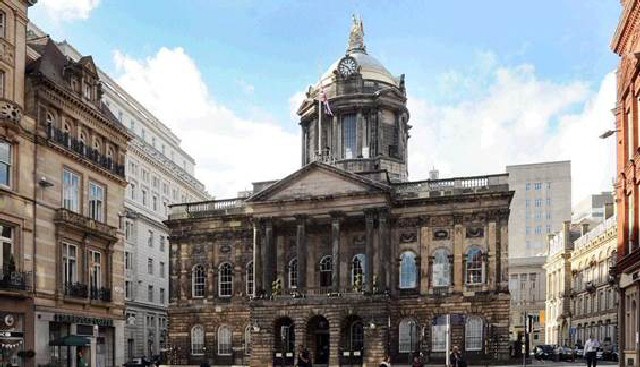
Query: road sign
pixel 572 331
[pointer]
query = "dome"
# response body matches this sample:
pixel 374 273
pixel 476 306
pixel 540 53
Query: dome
pixel 370 68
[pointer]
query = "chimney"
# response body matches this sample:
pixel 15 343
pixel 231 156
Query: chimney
pixel 434 174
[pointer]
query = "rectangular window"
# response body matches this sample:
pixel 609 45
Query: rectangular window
pixel 128 260
pixel 96 269
pixel 162 239
pixel 150 293
pixel 150 266
pixel 128 230
pixel 162 300
pixel 349 135
pixel 145 199
pixel 439 338
pixel 5 163
pixel 528 230
pixel 548 185
pixel 538 215
pixel 3 25
pixel 71 191
pixel 150 239
pixel 538 229
pixel 162 269
pixel 174 195
pixel 155 182
pixel 6 240
pixel 537 186
pixel 70 263
pixel 548 228
pixel 548 202
pixel 547 215
pixel 631 216
pixel 165 188
pixel 154 203
pixel 128 291
pixel 132 191
pixel 96 202
pixel 2 84
pixel 630 136
pixel 538 203
pixel 528 186
pixel 527 203
pixel 145 176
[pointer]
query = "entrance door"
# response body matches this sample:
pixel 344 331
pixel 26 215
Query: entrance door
pixel 318 338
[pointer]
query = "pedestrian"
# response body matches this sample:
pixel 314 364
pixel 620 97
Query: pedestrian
pixel 386 361
pixel 590 348
pixel 303 357
pixel 417 361
pixel 455 358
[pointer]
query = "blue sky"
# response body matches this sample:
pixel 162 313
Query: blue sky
pixel 462 59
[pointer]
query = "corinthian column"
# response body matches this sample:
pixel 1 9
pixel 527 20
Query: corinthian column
pixel 301 252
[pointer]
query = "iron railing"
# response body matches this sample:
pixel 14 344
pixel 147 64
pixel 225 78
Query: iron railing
pixel 206 208
pixel 15 279
pixel 76 289
pixel 101 294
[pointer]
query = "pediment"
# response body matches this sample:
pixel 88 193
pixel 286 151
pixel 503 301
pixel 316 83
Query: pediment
pixel 318 180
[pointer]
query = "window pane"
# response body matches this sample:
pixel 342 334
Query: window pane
pixel 198 281
pixel 473 334
pixel 407 335
pixel 293 273
pixel 225 282
pixel 407 270
pixel 441 269
pixel 349 131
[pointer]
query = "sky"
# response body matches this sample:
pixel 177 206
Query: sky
pixel 489 83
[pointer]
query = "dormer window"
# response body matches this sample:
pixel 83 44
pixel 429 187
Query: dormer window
pixel 86 92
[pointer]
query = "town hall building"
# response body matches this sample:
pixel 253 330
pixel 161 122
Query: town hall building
pixel 344 256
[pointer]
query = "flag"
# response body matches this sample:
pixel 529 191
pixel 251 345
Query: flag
pixel 325 102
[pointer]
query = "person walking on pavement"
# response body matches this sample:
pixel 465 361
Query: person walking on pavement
pixel 386 362
pixel 455 358
pixel 590 348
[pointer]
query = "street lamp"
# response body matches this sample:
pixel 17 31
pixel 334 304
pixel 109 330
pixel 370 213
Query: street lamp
pixel 608 133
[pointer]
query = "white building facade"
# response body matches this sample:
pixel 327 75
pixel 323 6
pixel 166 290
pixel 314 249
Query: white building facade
pixel 542 202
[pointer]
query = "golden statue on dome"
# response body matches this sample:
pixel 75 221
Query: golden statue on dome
pixel 356 37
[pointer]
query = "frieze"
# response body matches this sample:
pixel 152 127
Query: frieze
pixel 441 221
pixel 440 234
pixel 6 51
pixel 233 235
pixel 474 232
pixel 408 237
pixel 412 221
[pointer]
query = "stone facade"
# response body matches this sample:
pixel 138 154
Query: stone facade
pixel 78 153
pixel 625 43
pixel 344 256
pixel 594 297
pixel 17 221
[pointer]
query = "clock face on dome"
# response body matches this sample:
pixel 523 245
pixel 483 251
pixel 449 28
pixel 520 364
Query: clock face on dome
pixel 347 66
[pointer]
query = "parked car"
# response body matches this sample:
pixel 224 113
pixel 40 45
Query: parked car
pixel 599 353
pixel 579 351
pixel 542 352
pixel 138 362
pixel 564 353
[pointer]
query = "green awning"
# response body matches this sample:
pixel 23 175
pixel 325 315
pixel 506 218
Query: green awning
pixel 70 341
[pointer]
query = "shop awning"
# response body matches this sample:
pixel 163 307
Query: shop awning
pixel 70 341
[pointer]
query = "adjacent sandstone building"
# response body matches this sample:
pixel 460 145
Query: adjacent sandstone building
pixel 344 256
pixel 75 156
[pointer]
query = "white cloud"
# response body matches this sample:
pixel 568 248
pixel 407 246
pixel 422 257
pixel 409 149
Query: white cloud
pixel 68 10
pixel 230 152
pixel 517 119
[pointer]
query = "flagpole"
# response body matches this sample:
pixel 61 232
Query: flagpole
pixel 320 121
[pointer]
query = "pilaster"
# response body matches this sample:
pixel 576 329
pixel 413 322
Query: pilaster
pixel 368 217
pixel 301 251
pixel 335 249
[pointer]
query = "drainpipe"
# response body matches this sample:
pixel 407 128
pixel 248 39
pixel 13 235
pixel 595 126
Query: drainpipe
pixel 35 210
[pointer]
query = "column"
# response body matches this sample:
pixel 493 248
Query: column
pixel 301 252
pixel 268 256
pixel 368 252
pixel 384 280
pixel 258 286
pixel 335 250
pixel 452 272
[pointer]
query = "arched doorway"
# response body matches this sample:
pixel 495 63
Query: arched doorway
pixel 284 342
pixel 318 339
pixel 351 340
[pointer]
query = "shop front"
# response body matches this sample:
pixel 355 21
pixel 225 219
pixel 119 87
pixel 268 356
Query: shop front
pixel 13 350
pixel 76 341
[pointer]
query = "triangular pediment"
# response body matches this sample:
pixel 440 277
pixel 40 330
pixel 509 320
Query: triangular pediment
pixel 319 180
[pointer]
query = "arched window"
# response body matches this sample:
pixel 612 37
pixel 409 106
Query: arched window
pixel 357 335
pixel 473 334
pixel 225 280
pixel 197 340
pixel 325 271
pixel 357 269
pixel 249 279
pixel 407 335
pixel 408 273
pixel 475 270
pixel 198 281
pixel 247 340
pixel 292 271
pixel 441 269
pixel 224 341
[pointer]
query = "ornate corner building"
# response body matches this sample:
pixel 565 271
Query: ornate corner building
pixel 344 256
pixel 626 44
